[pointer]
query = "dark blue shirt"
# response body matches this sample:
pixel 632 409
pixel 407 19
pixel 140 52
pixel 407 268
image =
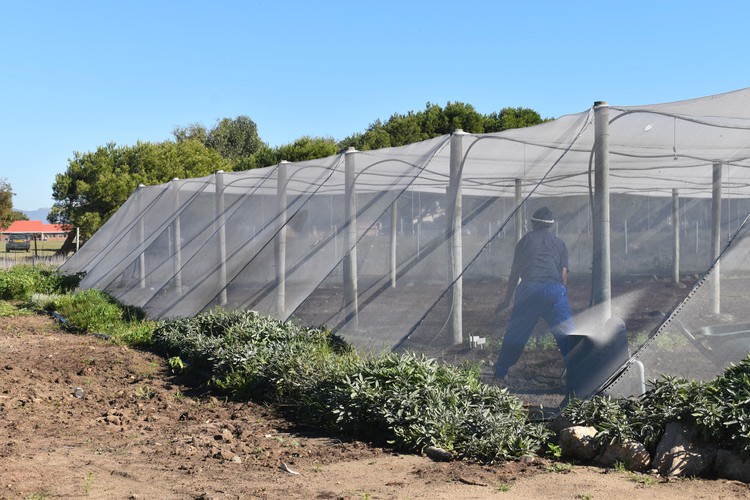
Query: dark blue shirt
pixel 540 257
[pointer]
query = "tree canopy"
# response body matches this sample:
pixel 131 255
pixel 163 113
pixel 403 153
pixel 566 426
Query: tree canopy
pixel 7 214
pixel 96 184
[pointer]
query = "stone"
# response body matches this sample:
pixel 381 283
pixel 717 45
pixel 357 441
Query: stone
pixel 438 454
pixel 731 465
pixel 631 454
pixel 680 453
pixel 579 442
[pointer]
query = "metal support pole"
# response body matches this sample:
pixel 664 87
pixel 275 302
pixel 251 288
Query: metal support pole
pixel 715 296
pixel 394 233
pixel 601 268
pixel 222 237
pixel 676 233
pixel 455 215
pixel 177 238
pixel 141 239
pixel 350 239
pixel 519 211
pixel 280 240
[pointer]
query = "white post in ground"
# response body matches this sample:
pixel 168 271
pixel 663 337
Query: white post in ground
pixel 676 237
pixel 601 268
pixel 141 239
pixel 519 211
pixel 177 238
pixel 222 236
pixel 350 239
pixel 280 240
pixel 394 234
pixel 455 215
pixel 715 296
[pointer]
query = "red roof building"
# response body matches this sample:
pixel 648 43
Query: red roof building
pixel 35 227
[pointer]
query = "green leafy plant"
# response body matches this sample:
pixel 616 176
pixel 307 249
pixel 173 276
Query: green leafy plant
pixel 19 282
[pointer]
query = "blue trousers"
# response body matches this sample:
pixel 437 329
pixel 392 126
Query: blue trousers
pixel 534 301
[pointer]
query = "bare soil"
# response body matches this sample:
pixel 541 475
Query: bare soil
pixel 80 417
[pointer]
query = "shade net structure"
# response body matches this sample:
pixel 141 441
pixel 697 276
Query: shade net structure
pixel 410 248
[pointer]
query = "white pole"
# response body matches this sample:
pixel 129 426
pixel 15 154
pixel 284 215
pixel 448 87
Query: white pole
pixel 177 238
pixel 350 239
pixel 455 215
pixel 602 269
pixel 222 248
pixel 394 232
pixel 141 239
pixel 280 240
pixel 676 233
pixel 519 214
pixel 715 297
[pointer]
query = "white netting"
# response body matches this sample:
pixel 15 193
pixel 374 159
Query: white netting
pixel 374 253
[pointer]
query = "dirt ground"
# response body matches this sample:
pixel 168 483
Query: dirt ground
pixel 80 417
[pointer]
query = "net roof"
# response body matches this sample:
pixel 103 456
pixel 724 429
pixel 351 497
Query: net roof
pixel 373 252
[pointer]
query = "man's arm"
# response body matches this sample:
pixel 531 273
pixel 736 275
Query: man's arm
pixel 512 284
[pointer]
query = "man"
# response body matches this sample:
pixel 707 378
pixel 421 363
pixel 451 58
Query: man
pixel 540 261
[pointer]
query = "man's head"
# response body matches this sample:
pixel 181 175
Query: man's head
pixel 542 218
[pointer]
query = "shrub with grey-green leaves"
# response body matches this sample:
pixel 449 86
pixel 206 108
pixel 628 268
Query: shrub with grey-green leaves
pixel 720 410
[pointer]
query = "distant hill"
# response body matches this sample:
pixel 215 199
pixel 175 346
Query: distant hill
pixel 38 214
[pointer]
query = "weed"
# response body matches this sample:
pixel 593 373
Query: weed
pixel 38 496
pixel 88 483
pixel 584 496
pixel 642 479
pixel 554 450
pixel 559 468
pixel 144 392
pixel 502 487
pixel 176 364
pixel 619 466
pixel 179 395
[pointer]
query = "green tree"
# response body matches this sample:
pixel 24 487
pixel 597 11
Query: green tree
pixel 193 132
pixel 509 118
pixel 433 121
pixel 6 203
pixel 234 139
pixel 96 184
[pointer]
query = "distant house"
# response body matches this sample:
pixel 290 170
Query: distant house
pixel 36 227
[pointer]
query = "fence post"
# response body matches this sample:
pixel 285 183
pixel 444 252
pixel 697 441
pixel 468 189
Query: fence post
pixel 222 236
pixel 280 240
pixel 715 296
pixel 519 210
pixel 601 268
pixel 676 233
pixel 454 221
pixel 141 238
pixel 177 238
pixel 350 238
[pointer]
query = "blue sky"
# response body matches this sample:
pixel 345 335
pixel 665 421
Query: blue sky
pixel 76 75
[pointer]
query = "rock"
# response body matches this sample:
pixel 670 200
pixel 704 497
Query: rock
pixel 730 465
pixel 438 454
pixel 633 455
pixel 236 459
pixel 578 442
pixel 78 393
pixel 680 453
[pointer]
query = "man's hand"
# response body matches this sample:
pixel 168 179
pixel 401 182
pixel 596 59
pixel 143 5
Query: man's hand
pixel 502 306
